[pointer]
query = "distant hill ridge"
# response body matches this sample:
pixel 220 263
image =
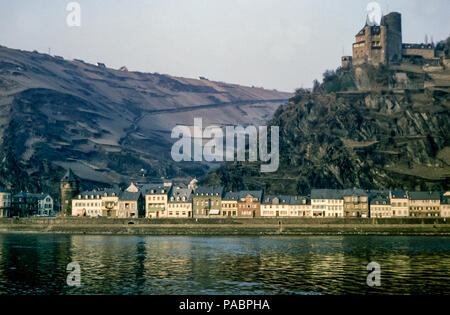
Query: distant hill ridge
pixel 109 126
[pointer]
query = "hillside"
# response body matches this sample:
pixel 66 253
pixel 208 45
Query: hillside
pixel 107 125
pixel 370 127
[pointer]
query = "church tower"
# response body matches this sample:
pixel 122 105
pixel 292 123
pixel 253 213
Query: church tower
pixel 70 187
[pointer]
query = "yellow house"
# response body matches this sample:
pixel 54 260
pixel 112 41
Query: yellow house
pixel 110 203
pixel 230 204
pixel 156 200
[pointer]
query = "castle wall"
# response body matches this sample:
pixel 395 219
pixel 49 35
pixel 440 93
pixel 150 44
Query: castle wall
pixel 425 53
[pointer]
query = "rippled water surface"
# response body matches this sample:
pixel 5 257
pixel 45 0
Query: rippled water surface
pixel 36 264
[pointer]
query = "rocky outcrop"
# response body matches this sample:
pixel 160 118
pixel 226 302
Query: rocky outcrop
pixel 377 138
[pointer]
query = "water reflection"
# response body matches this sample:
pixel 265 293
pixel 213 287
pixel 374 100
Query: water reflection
pixel 36 264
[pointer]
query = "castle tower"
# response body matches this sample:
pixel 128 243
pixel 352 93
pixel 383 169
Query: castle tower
pixel 394 38
pixel 70 187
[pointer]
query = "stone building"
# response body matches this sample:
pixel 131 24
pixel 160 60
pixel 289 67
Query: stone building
pixel 131 205
pixel 380 205
pixel 347 62
pixel 229 204
pixel 379 44
pixel 5 202
pixel 249 204
pixel 207 201
pixel 383 44
pixel 399 203
pixel 424 204
pixel 156 200
pixel 180 203
pixel 327 203
pixel 69 188
pixel 356 203
pixel 425 51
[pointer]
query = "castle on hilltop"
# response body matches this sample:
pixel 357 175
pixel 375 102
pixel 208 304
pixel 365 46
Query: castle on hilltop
pixel 383 44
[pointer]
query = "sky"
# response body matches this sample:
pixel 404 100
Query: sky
pixel 275 44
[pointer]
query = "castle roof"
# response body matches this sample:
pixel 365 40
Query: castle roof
pixel 69 177
pixel 417 46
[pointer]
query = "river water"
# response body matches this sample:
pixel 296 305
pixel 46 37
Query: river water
pixel 36 264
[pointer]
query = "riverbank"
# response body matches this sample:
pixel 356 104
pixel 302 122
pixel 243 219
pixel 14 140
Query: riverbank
pixel 227 227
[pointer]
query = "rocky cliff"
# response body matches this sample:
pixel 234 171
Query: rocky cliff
pixel 370 127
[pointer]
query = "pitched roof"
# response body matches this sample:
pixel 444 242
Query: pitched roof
pixel 380 199
pixel 230 196
pixel 31 195
pixel 129 196
pixel 300 200
pixel 179 193
pixel 3 190
pixel 424 195
pixel 276 200
pixel 210 190
pixel 399 194
pixel 326 194
pixel 255 193
pixel 149 189
pixel 354 192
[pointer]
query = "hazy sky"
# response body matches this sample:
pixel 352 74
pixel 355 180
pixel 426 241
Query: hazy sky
pixel 282 44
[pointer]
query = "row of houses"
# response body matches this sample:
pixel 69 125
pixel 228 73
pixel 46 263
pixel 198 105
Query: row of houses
pixel 25 204
pixel 165 200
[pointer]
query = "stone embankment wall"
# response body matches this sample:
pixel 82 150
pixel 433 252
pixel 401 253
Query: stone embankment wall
pixel 223 227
